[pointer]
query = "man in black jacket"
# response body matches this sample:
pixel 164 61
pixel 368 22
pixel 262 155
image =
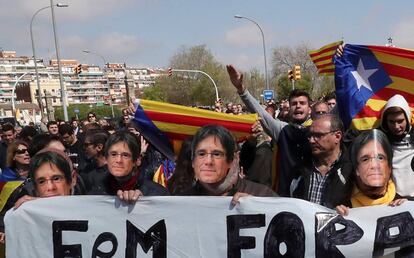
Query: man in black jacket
pixel 122 152
pixel 326 178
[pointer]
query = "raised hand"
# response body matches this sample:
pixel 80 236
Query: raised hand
pixel 236 78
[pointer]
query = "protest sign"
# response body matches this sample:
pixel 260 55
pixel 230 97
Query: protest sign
pixel 102 226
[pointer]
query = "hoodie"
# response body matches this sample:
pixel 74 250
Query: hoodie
pixel 403 149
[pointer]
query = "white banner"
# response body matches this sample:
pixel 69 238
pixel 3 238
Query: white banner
pixel 101 226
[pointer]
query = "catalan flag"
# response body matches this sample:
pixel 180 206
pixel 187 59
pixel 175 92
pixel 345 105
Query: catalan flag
pixel 165 123
pixel 322 58
pixel 366 77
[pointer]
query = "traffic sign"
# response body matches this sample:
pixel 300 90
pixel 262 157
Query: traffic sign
pixel 268 94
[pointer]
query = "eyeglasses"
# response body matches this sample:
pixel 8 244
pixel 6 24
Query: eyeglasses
pixel 365 160
pixel 317 136
pixel 22 151
pixel 56 179
pixel 123 155
pixel 214 154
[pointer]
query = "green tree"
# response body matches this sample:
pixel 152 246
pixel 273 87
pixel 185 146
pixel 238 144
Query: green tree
pixel 286 57
pixel 285 86
pixel 100 111
pixel 193 88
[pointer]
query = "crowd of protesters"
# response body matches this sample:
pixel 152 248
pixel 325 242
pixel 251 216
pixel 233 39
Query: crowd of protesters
pixel 317 160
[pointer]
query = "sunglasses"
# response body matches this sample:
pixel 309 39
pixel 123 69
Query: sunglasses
pixel 21 151
pixel 90 116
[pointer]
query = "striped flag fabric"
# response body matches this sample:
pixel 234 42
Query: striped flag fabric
pixel 169 123
pixel 366 77
pixel 6 190
pixel 322 58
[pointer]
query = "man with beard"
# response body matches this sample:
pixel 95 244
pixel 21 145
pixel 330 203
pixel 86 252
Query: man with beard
pixel 290 137
pixel 326 177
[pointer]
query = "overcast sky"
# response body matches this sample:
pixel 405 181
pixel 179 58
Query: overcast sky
pixel 148 32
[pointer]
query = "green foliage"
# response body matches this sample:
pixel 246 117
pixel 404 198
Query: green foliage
pixel 154 93
pixel 102 111
pixel 188 88
pixel 285 86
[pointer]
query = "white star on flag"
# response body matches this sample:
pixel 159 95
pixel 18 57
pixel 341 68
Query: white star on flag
pixel 361 76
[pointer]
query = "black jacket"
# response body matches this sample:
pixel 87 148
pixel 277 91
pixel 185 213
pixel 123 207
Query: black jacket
pixel 104 185
pixel 338 186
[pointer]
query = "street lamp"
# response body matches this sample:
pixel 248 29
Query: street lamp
pixel 97 54
pixel 264 46
pixel 198 71
pixel 62 87
pixel 39 93
pixel 107 84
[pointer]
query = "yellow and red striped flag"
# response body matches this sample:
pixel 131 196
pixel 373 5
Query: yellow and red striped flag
pixel 322 58
pixel 176 122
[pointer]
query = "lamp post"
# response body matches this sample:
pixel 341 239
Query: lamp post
pixel 62 86
pixel 97 54
pixel 198 71
pixel 107 84
pixel 264 46
pixel 39 92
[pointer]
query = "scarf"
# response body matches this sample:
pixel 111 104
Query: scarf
pixel 358 199
pixel 126 186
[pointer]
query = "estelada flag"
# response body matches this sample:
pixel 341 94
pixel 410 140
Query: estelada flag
pixel 322 58
pixel 164 124
pixel 366 77
pixel 6 190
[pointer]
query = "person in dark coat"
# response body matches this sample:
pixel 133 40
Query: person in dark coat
pixel 325 178
pixel 122 151
pixel 216 166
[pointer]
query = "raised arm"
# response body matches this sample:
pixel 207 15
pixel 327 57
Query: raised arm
pixel 271 125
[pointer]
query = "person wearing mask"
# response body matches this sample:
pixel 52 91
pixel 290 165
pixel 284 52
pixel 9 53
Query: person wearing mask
pixel 216 166
pixel 371 157
pixel 122 152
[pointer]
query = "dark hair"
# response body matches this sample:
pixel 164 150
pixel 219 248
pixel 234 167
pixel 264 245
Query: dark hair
pixel 393 110
pixel 7 127
pixel 129 139
pixel 224 135
pixel 91 113
pixel 40 141
pixel 91 126
pixel 329 96
pixel 50 157
pixel 96 137
pixel 66 129
pixel 51 123
pixel 28 133
pixel 183 176
pixel 365 137
pixel 299 93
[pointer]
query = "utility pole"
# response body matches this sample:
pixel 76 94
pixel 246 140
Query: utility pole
pixel 126 85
